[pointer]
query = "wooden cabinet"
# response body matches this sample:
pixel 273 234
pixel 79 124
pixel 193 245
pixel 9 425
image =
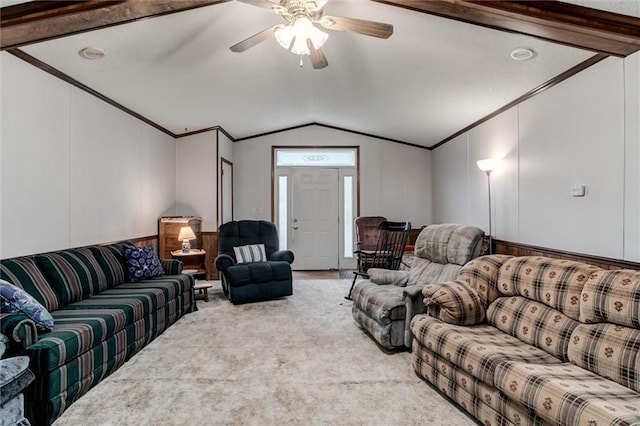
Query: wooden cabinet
pixel 194 262
pixel 168 230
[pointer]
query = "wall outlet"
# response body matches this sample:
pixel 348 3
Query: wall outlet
pixel 579 191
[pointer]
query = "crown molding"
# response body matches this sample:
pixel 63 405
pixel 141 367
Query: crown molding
pixel 531 93
pixel 329 126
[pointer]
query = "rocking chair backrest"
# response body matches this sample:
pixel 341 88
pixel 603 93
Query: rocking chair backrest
pixel 391 244
pixel 368 231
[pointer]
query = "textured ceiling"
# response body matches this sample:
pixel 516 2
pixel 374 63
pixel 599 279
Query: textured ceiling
pixel 433 77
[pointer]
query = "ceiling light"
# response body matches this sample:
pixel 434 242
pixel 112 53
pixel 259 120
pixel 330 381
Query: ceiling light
pixel 92 53
pixel 298 33
pixel 522 54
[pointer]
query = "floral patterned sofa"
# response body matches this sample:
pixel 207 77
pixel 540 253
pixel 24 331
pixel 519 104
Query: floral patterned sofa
pixel 532 340
pixel 100 318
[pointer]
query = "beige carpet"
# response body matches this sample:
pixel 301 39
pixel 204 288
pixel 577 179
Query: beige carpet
pixel 300 360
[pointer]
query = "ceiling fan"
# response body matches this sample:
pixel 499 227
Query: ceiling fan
pixel 300 36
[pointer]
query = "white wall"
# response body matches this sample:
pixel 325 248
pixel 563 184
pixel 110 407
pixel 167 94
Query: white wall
pixel 196 178
pixel 584 131
pixel 632 157
pixel 395 179
pixel 75 171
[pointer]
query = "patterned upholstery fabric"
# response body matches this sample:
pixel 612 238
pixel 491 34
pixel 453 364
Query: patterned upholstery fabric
pixel 142 262
pixel 14 299
pixel 568 395
pixel 380 309
pixel 609 350
pixel 172 266
pixel 106 322
pixel 449 243
pixel 440 250
pixel 533 323
pixel 113 264
pixel 424 271
pixel 20 328
pixel 454 303
pixel 74 274
pixel 388 277
pixel 514 369
pixel 477 349
pixel 612 296
pixel 487 404
pixel 556 283
pixel 481 274
pixel 24 272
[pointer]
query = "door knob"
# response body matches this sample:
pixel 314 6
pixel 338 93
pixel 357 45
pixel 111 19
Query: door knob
pixel 295 224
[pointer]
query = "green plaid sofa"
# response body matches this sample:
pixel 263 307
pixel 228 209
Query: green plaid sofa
pixel 101 320
pixel 384 304
pixel 534 341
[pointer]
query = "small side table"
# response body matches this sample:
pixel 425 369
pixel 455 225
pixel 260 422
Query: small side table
pixel 194 260
pixel 202 287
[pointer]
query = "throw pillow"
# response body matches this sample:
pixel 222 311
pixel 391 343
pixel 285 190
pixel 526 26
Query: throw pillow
pixel 250 253
pixel 143 263
pixel 13 299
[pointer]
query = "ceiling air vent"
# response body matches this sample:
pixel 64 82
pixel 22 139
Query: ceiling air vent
pixel 92 53
pixel 522 54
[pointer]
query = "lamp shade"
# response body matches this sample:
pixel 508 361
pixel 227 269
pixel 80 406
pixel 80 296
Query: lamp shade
pixel 298 33
pixel 186 234
pixel 488 164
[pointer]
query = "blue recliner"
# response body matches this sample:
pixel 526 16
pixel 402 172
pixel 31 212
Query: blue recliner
pixel 253 281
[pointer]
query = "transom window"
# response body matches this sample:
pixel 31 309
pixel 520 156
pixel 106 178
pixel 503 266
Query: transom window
pixel 335 157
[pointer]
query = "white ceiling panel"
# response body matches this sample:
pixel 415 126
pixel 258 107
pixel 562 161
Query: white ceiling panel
pixel 431 78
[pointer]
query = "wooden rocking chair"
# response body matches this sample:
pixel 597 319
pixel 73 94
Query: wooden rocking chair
pixel 388 253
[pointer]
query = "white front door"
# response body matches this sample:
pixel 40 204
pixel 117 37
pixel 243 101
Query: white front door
pixel 314 227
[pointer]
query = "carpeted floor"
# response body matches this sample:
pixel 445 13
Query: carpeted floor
pixel 301 360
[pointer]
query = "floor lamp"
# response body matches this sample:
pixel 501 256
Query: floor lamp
pixel 488 166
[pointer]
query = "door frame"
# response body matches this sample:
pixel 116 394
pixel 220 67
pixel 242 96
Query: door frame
pixel 275 174
pixel 224 161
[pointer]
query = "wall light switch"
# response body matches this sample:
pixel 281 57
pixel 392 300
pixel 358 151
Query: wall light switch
pixel 579 191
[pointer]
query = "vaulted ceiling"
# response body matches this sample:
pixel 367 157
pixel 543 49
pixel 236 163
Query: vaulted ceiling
pixel 433 77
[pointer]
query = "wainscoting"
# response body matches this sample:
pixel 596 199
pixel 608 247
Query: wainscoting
pixel 518 249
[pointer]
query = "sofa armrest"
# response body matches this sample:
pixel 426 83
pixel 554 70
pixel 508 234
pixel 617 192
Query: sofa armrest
pixel 454 302
pixel 282 255
pixel 224 261
pixel 388 277
pixel 172 266
pixel 20 330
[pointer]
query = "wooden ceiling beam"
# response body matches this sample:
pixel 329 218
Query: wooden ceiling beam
pixel 37 21
pixel 554 21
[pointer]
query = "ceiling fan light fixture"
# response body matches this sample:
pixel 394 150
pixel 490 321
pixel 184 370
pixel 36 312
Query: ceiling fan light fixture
pixel 284 36
pixel 301 30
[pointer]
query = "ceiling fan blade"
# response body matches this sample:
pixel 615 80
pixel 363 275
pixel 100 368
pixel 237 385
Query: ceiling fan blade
pixel 360 26
pixel 274 7
pixel 254 39
pixel 318 60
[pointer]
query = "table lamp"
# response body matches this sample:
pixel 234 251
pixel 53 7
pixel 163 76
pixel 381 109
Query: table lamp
pixel 186 234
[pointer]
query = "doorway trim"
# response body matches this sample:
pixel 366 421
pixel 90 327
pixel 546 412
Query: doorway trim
pixel 344 260
pixel 274 148
pixel 230 164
